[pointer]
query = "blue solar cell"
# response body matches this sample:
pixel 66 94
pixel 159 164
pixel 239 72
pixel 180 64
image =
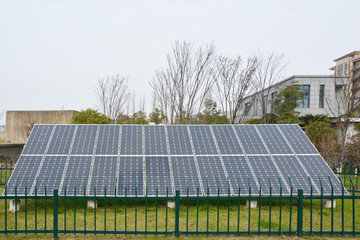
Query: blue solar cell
pixel 179 141
pixel 297 139
pixel 108 140
pixel 77 175
pixel 104 172
pixel 185 175
pixel 226 139
pixel 290 167
pixel 23 175
pixel 131 140
pixel 131 176
pixel 265 169
pixel 240 175
pixel 273 139
pixel 250 139
pixel 203 140
pixel 212 175
pixel 155 140
pixel 158 176
pixel 84 139
pixel 38 139
pixel 61 141
pixel 317 167
pixel 51 174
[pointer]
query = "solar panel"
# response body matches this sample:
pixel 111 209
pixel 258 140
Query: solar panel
pixel 179 141
pixel 196 157
pixel 297 139
pixel 108 140
pixel 61 141
pixel 212 175
pixel 226 140
pixel 131 176
pixel 185 175
pixel 250 139
pixel 203 140
pixel 38 139
pixel 158 176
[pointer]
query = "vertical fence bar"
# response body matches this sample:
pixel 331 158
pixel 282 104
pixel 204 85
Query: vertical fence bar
pixel 156 205
pixel 146 206
pixel 187 206
pixel 105 207
pixel 16 186
pixel 55 217
pixel 197 208
pixel 249 206
pixel 36 205
pixel 218 205
pixel 270 205
pixel 166 206
pixel 177 212
pixel 238 217
pixel 125 205
pixel 228 222
pixel 46 203
pixel 280 207
pixel 207 206
pixel 84 209
pixel 332 206
pixel 311 205
pixel 95 205
pixel 291 203
pixel 353 204
pixel 136 193
pixel 300 213
pixel 25 206
pixel 321 205
pixel 75 207
pixel 342 206
pixel 65 206
pixel 260 200
pixel 115 205
pixel 6 206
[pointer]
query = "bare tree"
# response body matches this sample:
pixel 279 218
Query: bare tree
pixel 112 94
pixel 182 88
pixel 234 80
pixel 345 106
pixel 270 68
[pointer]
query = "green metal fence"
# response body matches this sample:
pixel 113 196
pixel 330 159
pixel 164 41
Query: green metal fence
pixel 192 215
pixel 6 168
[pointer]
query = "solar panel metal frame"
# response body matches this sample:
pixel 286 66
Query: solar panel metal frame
pixel 169 155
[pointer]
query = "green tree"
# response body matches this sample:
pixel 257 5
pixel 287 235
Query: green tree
pixel 285 103
pixel 137 118
pixel 268 118
pixel 211 115
pixel 89 116
pixel 157 116
pixel 305 120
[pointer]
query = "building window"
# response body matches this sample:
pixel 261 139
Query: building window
pixel 265 103
pixel 306 102
pixel 340 69
pixel 321 96
pixel 273 97
pixel 345 69
pixel 247 108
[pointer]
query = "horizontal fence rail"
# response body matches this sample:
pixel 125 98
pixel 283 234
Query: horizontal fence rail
pixel 294 214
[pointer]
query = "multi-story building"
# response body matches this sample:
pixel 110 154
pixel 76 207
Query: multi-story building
pixel 345 64
pixel 2 133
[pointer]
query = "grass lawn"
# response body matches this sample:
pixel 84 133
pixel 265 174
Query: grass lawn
pixel 75 213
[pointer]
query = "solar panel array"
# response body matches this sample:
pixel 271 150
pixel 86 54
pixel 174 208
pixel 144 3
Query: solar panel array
pixel 157 159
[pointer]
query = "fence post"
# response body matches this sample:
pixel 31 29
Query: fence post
pixel 177 213
pixel 55 227
pixel 300 213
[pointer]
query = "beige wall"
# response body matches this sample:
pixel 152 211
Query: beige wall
pixel 19 123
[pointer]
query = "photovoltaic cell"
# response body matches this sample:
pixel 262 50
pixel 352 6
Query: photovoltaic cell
pixel 84 139
pixel 226 139
pixel 105 173
pixel 240 175
pixel 250 139
pixel 273 139
pixel 179 140
pixel 155 141
pixel 317 167
pixel 265 170
pixel 61 141
pixel 38 139
pixel 157 175
pixel 131 176
pixel 25 174
pixel 212 175
pixel 77 175
pixel 297 139
pixel 131 140
pixel 51 174
pixel 108 140
pixel 290 167
pixel 203 140
pixel 185 175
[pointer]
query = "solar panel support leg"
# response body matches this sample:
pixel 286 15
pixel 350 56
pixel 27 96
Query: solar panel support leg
pixel 253 203
pixel 14 205
pixel 327 203
pixel 92 204
pixel 171 204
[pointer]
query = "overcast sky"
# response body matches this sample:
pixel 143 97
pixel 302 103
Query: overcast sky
pixel 52 53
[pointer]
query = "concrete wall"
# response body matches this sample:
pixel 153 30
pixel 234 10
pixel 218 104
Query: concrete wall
pixel 10 153
pixel 20 123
